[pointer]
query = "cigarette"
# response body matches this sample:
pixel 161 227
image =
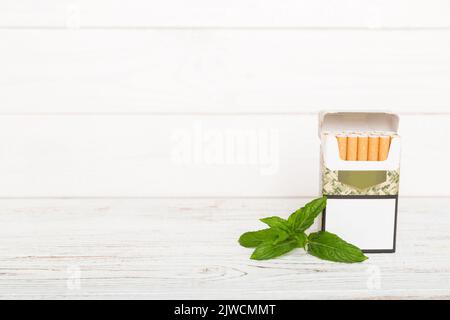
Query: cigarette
pixel 372 153
pixel 342 144
pixel 383 150
pixel 352 148
pixel 363 145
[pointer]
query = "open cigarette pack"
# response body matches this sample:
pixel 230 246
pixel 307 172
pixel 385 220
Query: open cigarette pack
pixel 360 171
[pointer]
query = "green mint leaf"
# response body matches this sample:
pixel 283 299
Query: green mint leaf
pixel 269 250
pixel 282 236
pixel 301 238
pixel 277 222
pixel 255 238
pixel 304 217
pixel 328 246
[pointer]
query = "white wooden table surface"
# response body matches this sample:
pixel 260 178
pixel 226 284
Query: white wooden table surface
pixel 101 99
pixel 187 249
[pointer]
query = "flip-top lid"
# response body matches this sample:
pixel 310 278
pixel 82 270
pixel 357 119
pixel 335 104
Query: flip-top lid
pixel 333 121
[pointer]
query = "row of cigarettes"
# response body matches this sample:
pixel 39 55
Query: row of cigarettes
pixel 364 146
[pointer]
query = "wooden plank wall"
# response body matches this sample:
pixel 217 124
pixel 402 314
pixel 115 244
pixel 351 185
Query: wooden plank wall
pixel 134 99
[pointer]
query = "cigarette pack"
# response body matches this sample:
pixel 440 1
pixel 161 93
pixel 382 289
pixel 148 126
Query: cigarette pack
pixel 360 171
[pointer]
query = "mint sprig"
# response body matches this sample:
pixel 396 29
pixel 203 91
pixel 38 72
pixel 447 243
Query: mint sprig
pixel 284 236
pixel 326 245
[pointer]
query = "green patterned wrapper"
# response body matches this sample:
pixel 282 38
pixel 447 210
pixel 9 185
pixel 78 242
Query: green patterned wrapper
pixel 360 183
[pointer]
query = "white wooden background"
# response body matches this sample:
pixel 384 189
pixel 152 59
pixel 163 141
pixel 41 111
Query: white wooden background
pixel 92 92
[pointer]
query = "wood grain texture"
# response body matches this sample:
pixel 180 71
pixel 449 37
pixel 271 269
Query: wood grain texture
pixel 187 249
pixel 192 156
pixel 223 71
pixel 98 96
pixel 231 13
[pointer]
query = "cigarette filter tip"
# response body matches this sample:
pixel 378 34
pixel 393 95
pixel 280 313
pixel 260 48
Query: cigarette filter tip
pixel 342 145
pixel 363 145
pixel 373 146
pixel 384 146
pixel 352 148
